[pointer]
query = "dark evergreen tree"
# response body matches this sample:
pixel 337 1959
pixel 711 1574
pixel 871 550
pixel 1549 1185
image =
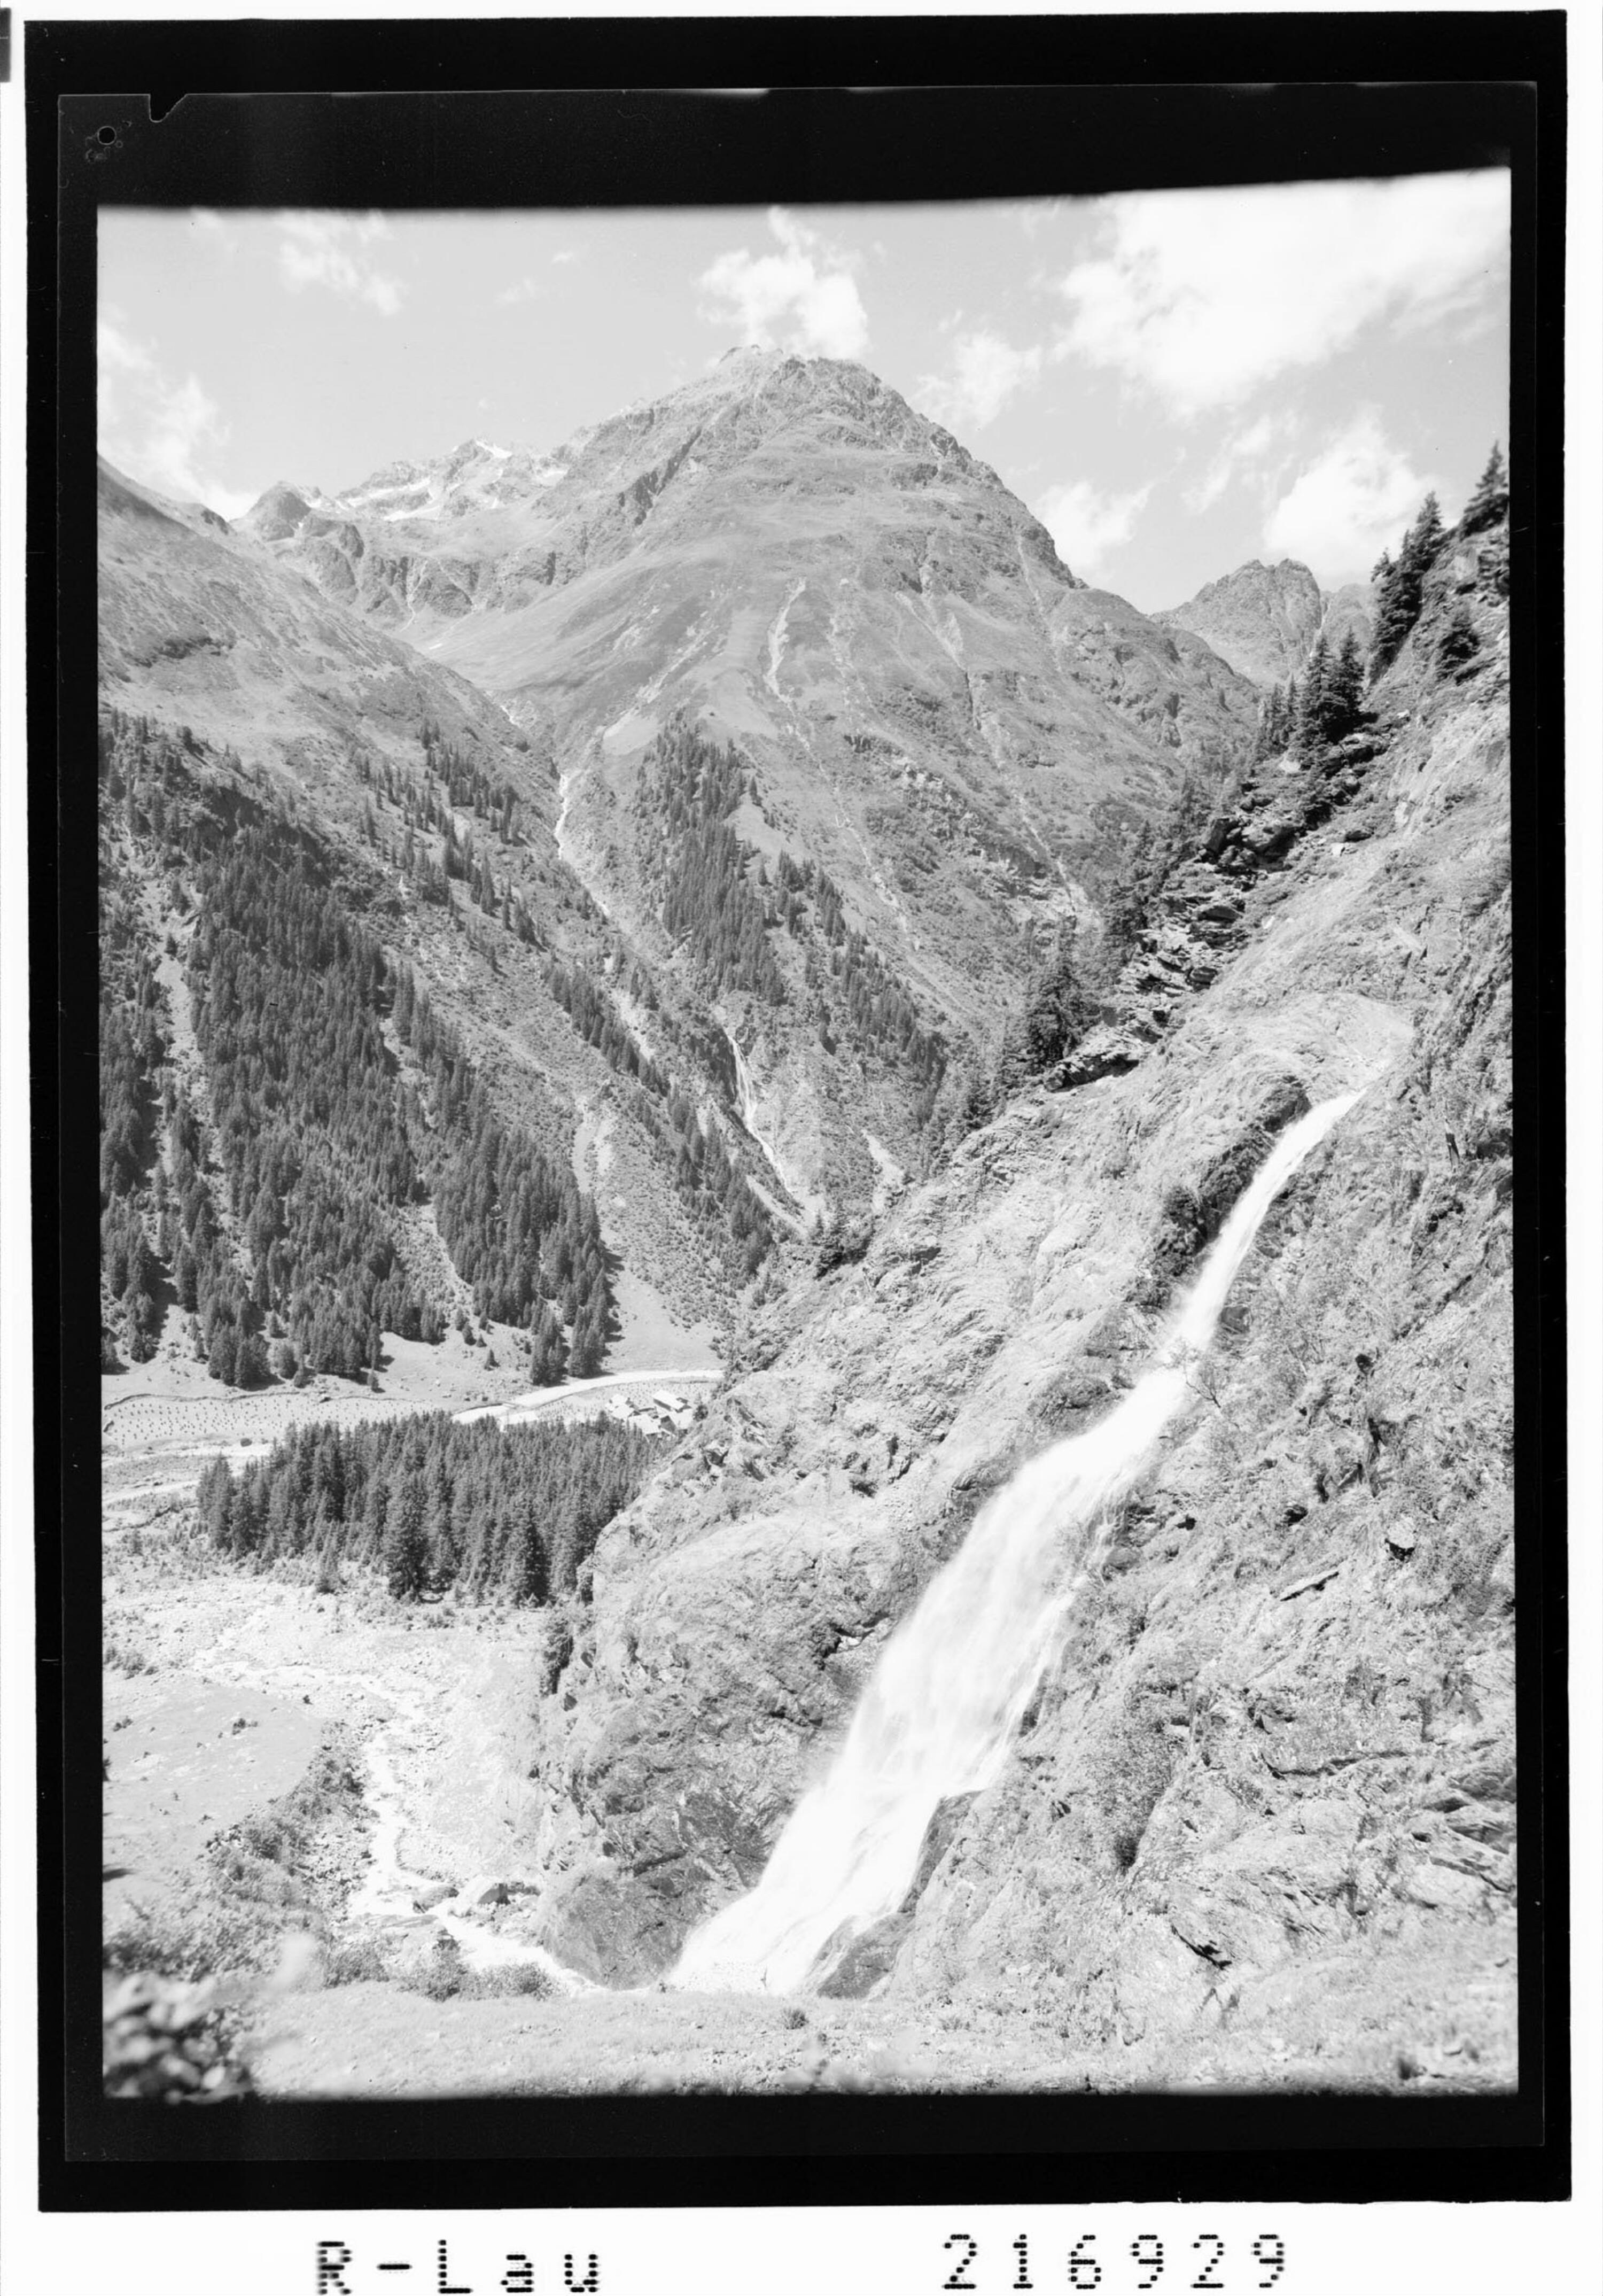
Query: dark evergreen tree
pixel 406 1545
pixel 1426 536
pixel 1400 587
pixel 1057 1010
pixel 1314 702
pixel 1488 505
pixel 214 1494
pixel 1346 685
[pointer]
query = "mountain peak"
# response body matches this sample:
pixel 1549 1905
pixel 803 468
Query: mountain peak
pixel 1283 574
pixel 281 512
pixel 1262 619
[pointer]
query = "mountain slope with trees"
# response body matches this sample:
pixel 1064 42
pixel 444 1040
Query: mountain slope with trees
pixel 238 703
pixel 787 558
pixel 1272 1765
pixel 266 1186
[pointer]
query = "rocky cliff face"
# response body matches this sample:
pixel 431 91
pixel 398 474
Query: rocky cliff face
pixel 1262 619
pixel 1350 607
pixel 1273 1766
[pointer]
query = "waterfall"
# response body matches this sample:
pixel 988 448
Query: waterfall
pixel 941 1708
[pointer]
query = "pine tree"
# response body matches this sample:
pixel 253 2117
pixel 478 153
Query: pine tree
pixel 214 1494
pixel 1489 504
pixel 1346 685
pixel 1391 625
pixel 589 1338
pixel 1309 734
pixel 1426 537
pixel 406 1545
pixel 1057 1010
pixel 1400 587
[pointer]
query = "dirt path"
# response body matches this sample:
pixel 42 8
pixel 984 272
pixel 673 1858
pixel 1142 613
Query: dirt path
pixel 573 1399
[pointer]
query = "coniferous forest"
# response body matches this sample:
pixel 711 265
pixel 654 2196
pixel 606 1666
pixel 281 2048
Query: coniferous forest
pixel 495 1513
pixel 718 901
pixel 264 1184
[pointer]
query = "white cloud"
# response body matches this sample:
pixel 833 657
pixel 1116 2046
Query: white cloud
pixel 1087 524
pixel 1204 297
pixel 565 255
pixel 987 373
pixel 162 433
pixel 319 250
pixel 1247 455
pixel 521 291
pixel 1351 502
pixel 804 298
pixel 118 356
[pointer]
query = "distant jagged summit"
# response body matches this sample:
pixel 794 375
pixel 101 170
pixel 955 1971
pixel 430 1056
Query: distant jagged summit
pixel 752 398
pixel 483 526
pixel 281 512
pixel 1262 619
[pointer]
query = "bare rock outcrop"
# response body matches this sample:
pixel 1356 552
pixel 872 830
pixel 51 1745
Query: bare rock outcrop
pixel 1262 619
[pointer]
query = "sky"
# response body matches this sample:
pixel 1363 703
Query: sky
pixel 1176 382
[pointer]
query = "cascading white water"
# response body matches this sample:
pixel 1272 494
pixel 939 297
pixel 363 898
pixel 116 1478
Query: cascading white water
pixel 941 1706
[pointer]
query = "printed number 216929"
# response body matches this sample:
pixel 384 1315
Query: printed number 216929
pixel 1201 2265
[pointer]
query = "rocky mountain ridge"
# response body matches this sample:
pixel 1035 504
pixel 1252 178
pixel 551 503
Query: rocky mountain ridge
pixel 928 707
pixel 1263 619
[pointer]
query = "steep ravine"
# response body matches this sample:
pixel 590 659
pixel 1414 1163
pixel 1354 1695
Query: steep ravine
pixel 1274 1765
